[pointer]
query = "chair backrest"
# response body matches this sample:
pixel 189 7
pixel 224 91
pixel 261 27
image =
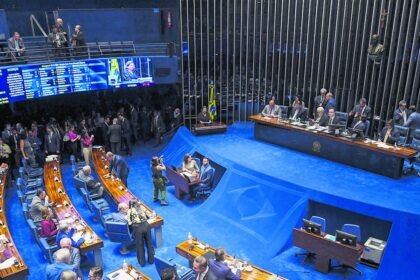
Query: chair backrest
pixel 79 183
pixel 352 229
pixel 321 221
pixel 25 210
pixel 212 171
pixel 22 173
pixel 33 228
pixel 198 161
pixel 284 111
pixel 86 198
pixel 25 164
pixel 97 210
pixel 20 184
pixel 161 264
pixel 343 116
pixel 118 232
pixel 403 134
pixel 415 143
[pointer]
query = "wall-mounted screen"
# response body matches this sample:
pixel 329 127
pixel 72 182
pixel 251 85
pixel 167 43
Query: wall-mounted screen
pixel 23 82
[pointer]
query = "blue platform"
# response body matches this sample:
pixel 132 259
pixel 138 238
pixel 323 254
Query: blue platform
pixel 262 196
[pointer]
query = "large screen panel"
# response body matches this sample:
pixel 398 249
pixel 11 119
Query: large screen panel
pixel 130 72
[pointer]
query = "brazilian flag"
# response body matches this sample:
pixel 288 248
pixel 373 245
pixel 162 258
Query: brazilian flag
pixel 114 72
pixel 212 103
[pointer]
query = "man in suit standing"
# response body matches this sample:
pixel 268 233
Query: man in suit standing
pixel 119 166
pixel 16 47
pixel 125 133
pixel 332 119
pixel 158 127
pixel 271 110
pixel 57 41
pixel 320 99
pixel 78 42
pixel 202 270
pixel 221 269
pixel 401 113
pixel 298 112
pixel 413 121
pixel 51 142
pixel 330 102
pixel 114 133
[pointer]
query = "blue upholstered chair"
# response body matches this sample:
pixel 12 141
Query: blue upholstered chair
pixel 79 164
pixel 29 182
pixel 34 229
pixel 25 210
pixel 119 233
pixel 402 141
pixel 88 200
pixel 343 116
pixel 99 212
pixel 32 172
pixel 354 230
pixel 80 184
pixel 181 272
pixel 284 111
pixel 198 161
pixel 48 247
pixel 323 223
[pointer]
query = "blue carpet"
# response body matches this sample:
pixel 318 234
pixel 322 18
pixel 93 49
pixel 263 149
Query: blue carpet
pixel 254 208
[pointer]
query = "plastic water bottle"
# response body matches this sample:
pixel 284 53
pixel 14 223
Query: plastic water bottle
pixel 125 266
pixel 190 237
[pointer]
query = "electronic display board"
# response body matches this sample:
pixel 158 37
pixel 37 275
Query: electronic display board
pixel 24 82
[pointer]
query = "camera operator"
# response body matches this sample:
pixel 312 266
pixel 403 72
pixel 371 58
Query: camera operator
pixel 159 181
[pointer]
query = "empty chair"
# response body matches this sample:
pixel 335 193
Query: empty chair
pixel 31 183
pixel 354 230
pixel 120 233
pixel 343 117
pixel 99 212
pixel 284 111
pixel 48 247
pixel 34 229
pixel 403 134
pixel 25 210
pixel 88 200
pixel 323 223
pixel 181 272
pixel 32 172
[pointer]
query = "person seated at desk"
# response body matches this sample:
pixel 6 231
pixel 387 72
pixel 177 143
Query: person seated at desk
pixel 121 215
pixel 190 168
pixel 130 72
pixel 332 119
pixel 389 134
pixel 220 268
pixel 203 116
pixel 320 116
pixel 361 109
pixel 271 110
pixel 298 111
pixel 48 226
pixel 92 185
pixel 358 123
pixel 206 178
pixel 65 231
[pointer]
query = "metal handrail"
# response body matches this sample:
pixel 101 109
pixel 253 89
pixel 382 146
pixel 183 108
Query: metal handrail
pixel 92 50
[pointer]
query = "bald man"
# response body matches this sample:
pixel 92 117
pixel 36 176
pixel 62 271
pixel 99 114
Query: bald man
pixel 94 187
pixel 271 110
pixel 74 258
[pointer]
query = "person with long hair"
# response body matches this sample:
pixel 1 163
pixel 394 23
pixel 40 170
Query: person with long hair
pixel 74 140
pixel 87 141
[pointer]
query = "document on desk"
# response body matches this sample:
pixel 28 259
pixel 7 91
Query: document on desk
pixel 330 237
pixel 120 275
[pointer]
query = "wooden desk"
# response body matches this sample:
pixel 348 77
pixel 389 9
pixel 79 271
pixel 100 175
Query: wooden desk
pixel 183 249
pixel 65 210
pixel 182 186
pixel 19 271
pixel 120 193
pixel 368 156
pixel 203 129
pixel 131 270
pixel 325 250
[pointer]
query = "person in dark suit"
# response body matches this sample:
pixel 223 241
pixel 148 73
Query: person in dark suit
pixel 16 47
pixel 202 270
pixel 57 41
pixel 389 134
pixel 125 133
pixel 51 142
pixel 119 166
pixel 332 119
pixel 361 109
pixel 14 140
pixel 298 112
pixel 134 121
pixel 319 100
pixel 358 123
pixel 413 121
pixel 78 42
pixel 158 127
pixel 220 268
pixel 203 116
pixel 330 102
pixel 206 177
pixel 177 119
pixel 401 113
pixel 104 126
pixel 114 134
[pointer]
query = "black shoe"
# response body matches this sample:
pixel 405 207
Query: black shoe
pixel 151 261
pixel 164 203
pixel 155 200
